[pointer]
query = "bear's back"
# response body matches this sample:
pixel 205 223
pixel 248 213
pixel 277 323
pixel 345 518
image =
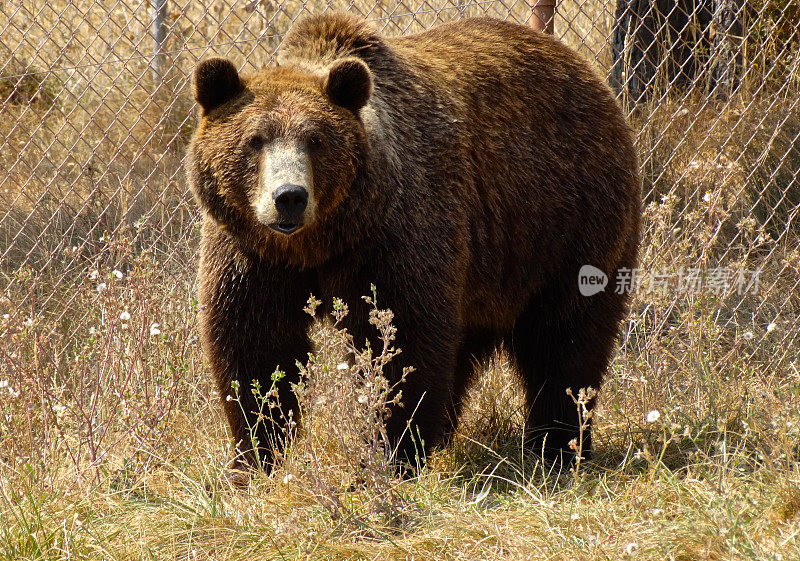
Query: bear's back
pixel 484 119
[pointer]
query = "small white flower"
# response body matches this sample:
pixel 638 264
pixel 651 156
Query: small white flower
pixel 656 511
pixel 362 399
pixel 747 335
pixel 101 287
pixel 771 327
pixel 653 416
pixel 228 397
pixel 28 322
pixel 287 478
pixel 94 275
pixel 154 330
pixel 342 366
pixel 3 383
pixel 707 197
pixel 93 331
pixel 117 273
pixel 631 548
pixel 125 316
pixel 58 408
pixel 6 316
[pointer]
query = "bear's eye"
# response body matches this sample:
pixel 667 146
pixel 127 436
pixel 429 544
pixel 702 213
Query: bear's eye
pixel 256 143
pixel 315 142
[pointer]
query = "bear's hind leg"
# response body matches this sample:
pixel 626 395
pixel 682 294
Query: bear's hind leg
pixel 554 353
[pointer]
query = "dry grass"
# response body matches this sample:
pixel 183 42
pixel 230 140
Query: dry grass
pixel 112 445
pixel 119 452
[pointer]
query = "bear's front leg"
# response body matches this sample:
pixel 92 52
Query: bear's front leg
pixel 252 324
pixel 427 334
pixel 429 345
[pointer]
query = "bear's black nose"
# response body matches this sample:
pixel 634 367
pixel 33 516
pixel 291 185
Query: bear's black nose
pixel 290 200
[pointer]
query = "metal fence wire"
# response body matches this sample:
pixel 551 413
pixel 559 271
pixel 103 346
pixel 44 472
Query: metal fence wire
pixel 96 115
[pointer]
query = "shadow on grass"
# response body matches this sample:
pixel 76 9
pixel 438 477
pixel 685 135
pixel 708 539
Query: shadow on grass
pixel 503 465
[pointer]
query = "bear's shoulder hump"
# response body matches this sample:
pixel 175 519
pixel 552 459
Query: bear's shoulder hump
pixel 331 36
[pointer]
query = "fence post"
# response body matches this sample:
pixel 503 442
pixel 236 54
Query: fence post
pixel 159 39
pixel 542 15
pixel 658 44
pixel 726 34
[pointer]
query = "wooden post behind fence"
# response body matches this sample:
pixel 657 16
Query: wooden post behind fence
pixel 542 15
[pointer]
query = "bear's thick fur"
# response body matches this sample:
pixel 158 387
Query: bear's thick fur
pixel 468 172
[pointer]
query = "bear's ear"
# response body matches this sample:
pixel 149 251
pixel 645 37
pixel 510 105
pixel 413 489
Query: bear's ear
pixel 349 84
pixel 215 82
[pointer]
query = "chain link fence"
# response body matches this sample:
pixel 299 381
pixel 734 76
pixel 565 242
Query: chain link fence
pixel 96 115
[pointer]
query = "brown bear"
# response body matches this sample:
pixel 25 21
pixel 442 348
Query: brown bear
pixel 468 172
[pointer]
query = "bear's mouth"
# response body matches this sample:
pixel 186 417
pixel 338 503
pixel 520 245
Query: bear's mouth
pixel 285 227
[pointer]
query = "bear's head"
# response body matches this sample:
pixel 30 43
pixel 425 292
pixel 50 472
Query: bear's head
pixel 275 153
